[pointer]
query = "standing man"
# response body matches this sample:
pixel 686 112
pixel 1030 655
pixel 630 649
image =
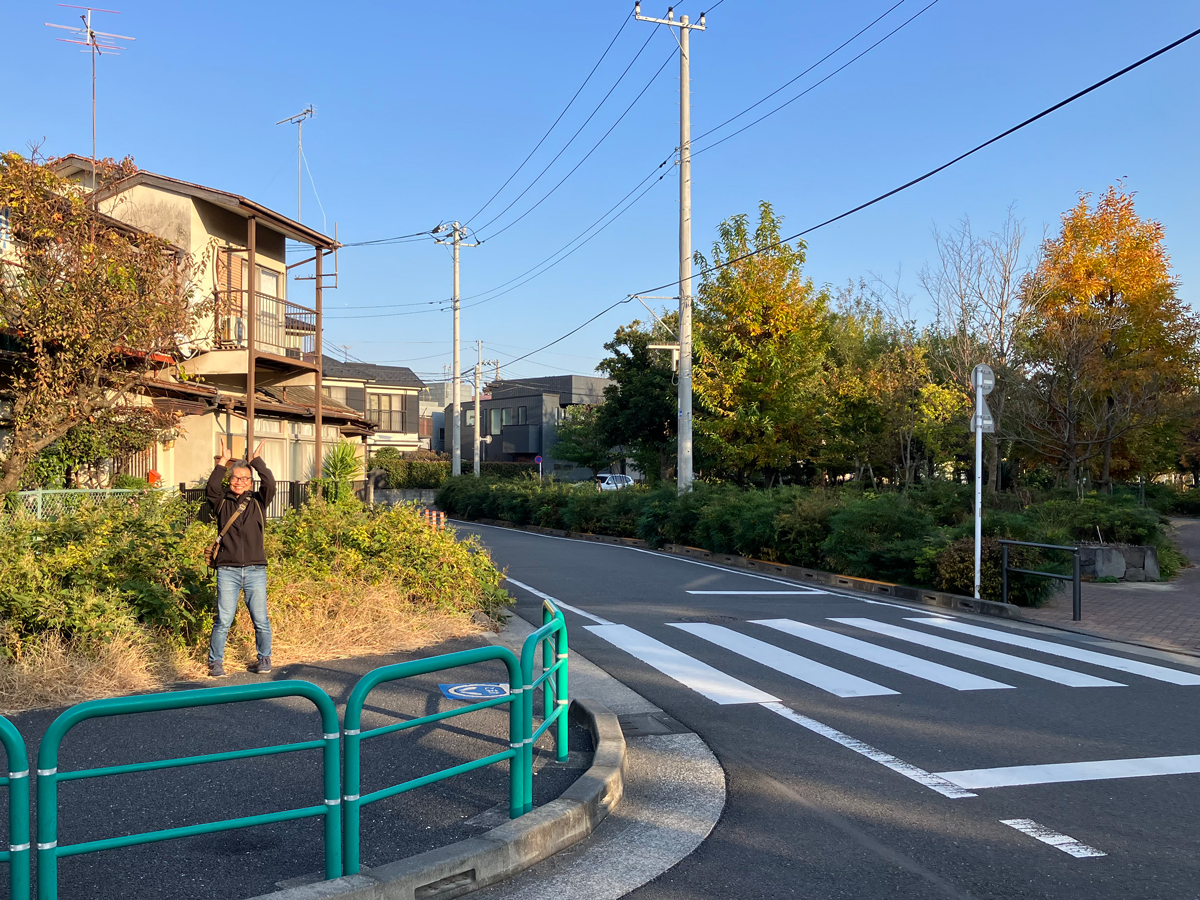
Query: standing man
pixel 241 562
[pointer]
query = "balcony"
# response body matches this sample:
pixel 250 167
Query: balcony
pixel 521 439
pixel 281 328
pixel 394 420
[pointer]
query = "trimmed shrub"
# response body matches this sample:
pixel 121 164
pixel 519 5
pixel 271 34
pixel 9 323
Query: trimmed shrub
pixel 879 537
pixel 954 567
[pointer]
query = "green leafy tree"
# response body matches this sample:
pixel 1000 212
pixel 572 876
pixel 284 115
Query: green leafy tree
pixel 581 441
pixel 760 347
pixel 110 434
pixel 639 412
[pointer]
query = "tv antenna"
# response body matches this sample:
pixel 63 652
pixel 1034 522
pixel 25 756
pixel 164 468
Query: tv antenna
pixel 306 113
pixel 99 43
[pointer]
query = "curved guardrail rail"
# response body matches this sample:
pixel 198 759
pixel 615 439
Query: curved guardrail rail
pixel 17 782
pixel 518 773
pixel 49 777
pixel 552 637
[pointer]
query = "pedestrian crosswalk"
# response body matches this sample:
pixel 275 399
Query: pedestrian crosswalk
pixel 773 644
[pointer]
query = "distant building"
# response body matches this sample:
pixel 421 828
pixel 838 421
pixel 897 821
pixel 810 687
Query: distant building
pixel 522 417
pixel 386 396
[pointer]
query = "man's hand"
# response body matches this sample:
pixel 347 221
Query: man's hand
pixel 223 453
pixel 257 451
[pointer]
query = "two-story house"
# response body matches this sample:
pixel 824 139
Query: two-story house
pixel 252 371
pixel 386 396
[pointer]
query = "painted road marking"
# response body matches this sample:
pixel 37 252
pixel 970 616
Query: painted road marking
pixel 819 675
pixel 1133 667
pixel 756 593
pixel 934 782
pixel 599 620
pixel 700 677
pixel 1062 842
pixel 981 654
pixel 892 659
pixel 1060 773
pixel 696 562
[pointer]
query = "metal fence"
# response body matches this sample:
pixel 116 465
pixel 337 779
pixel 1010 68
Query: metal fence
pixel 50 504
pixel 339 813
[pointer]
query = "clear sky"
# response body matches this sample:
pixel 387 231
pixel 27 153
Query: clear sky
pixel 424 109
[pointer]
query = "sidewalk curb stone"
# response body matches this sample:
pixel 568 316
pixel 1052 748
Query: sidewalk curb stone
pixel 504 851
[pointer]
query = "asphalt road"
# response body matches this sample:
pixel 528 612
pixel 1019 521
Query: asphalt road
pixel 877 750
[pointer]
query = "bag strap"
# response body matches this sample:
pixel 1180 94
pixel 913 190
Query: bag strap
pixel 237 512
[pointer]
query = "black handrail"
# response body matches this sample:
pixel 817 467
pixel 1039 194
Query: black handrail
pixel 1074 577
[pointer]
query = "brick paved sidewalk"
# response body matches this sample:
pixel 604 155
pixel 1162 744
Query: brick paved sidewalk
pixel 1163 614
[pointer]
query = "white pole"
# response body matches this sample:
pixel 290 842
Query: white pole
pixel 979 401
pixel 456 436
pixel 478 411
pixel 684 462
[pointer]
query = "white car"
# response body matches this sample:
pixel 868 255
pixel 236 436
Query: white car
pixel 613 482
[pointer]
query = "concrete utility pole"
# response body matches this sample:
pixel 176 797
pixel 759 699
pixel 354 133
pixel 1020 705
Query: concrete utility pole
pixel 457 233
pixel 480 363
pixel 684 461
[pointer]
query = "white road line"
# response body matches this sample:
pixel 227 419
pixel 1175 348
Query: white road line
pixel 599 620
pixel 756 593
pixel 1104 660
pixel 819 675
pixel 981 654
pixel 931 781
pixel 1062 842
pixel 700 677
pixel 883 656
pixel 696 562
pixel 1060 773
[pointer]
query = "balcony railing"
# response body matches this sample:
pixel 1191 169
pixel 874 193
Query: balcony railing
pixel 389 419
pixel 281 327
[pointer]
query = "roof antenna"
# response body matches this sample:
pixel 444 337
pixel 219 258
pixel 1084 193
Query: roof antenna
pixel 98 43
pixel 299 118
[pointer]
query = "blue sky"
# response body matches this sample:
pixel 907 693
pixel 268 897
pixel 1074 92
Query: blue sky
pixel 423 110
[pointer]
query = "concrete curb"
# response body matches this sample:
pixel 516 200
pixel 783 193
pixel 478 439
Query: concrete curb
pixel 505 850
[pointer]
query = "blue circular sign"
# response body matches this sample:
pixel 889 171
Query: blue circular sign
pixel 477 691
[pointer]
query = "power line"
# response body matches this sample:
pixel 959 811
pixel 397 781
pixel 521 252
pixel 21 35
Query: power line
pixel 891 193
pixel 529 187
pixel 802 74
pixel 812 87
pixel 595 147
pixel 624 22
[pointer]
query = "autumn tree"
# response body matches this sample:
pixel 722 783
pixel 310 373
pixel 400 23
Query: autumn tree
pixel 581 441
pixel 89 308
pixel 1109 341
pixel 759 348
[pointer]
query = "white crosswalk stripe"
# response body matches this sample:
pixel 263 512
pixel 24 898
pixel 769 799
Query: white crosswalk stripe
pixel 885 656
pixel 981 654
pixel 819 675
pixel 1105 660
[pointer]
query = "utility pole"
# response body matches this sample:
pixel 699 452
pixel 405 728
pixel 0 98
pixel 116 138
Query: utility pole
pixel 299 118
pixel 479 364
pixel 683 465
pixel 457 233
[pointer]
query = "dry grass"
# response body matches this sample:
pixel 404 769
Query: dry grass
pixel 351 620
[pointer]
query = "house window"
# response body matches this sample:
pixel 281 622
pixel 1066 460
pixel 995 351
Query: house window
pixel 495 421
pixel 336 394
pixel 522 414
pixel 268 426
pixel 507 416
pixel 388 411
pixel 470 418
pixel 268 282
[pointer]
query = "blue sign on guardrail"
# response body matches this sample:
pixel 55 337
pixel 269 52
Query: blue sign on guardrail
pixel 474 691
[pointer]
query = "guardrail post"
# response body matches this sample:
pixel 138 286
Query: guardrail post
pixel 18 810
pixel 1077 589
pixel 562 697
pixel 1004 572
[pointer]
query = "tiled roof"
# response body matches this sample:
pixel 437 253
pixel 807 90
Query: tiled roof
pixel 391 376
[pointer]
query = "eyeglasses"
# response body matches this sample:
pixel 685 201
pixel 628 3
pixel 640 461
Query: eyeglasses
pixel 241 478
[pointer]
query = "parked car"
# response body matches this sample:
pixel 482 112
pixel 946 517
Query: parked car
pixel 613 482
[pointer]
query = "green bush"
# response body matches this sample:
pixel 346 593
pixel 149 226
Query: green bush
pixel 879 537
pixel 954 567
pixel 1112 521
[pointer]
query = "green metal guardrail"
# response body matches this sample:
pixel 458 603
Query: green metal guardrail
pixel 17 854
pixel 518 773
pixel 553 638
pixel 49 851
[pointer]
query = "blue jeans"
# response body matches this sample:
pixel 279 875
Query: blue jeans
pixel 232 581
